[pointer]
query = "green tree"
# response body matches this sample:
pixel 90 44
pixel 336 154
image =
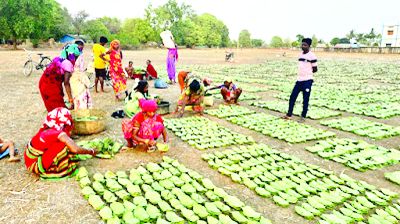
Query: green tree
pixel 335 41
pixel 214 31
pixel 95 29
pixel 299 38
pixel 295 44
pixel 314 41
pixel 62 23
pixel 188 33
pixel 138 29
pixel 276 42
pixel 257 42
pixel 21 19
pixel 244 38
pixel 113 24
pixel 79 21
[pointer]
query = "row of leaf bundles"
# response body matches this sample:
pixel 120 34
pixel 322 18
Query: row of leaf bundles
pixel 389 214
pixel 167 192
pixel 106 147
pixel 289 180
pixel 393 176
pixel 276 127
pixel 356 154
pixel 203 133
pixel 363 127
pixel 227 111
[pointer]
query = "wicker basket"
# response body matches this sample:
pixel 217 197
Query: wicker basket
pixel 208 100
pixel 89 127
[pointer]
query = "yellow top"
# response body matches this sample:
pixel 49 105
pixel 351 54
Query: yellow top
pixel 97 51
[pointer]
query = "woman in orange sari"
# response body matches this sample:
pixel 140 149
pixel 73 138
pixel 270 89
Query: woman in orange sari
pixel 49 153
pixel 116 71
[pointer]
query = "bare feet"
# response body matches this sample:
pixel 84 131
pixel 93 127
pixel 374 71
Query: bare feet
pixel 14 159
pixel 124 148
pixel 104 91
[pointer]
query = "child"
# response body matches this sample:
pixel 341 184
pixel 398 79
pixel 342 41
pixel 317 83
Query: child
pixel 307 66
pixel 130 70
pixel 7 147
pixel 151 73
pixel 80 84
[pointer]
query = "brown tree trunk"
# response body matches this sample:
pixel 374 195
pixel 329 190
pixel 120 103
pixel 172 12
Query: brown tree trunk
pixel 14 42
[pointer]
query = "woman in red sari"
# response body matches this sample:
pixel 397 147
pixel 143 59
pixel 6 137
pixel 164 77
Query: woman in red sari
pixel 116 72
pixel 49 152
pixel 58 73
pixel 145 127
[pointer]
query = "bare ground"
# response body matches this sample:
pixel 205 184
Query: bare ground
pixel 25 199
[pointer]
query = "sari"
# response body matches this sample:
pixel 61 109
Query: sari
pixel 149 128
pixel 117 73
pixel 172 57
pixel 80 84
pixel 194 101
pixel 45 154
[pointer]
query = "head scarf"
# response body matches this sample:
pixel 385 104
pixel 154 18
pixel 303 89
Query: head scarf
pixel 148 105
pixel 70 52
pixel 307 40
pixel 59 119
pixel 113 43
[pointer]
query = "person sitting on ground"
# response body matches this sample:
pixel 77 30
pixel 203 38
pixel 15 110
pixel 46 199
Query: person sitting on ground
pixel 130 70
pixel 145 127
pixel 132 101
pixel 192 96
pixel 151 73
pixel 8 148
pixel 49 152
pixel 229 91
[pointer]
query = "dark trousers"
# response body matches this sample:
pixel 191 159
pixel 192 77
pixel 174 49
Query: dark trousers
pixel 301 86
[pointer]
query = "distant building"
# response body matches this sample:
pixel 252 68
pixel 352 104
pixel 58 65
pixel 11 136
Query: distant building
pixel 69 38
pixel 390 36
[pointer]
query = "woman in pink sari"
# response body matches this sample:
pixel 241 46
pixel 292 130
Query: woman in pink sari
pixel 116 71
pixel 145 127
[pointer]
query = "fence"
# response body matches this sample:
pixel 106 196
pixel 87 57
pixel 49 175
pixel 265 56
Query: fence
pixel 373 50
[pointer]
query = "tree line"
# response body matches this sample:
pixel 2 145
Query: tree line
pixel 44 19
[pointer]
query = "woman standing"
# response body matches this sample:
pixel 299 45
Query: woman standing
pixel 49 152
pixel 171 60
pixel 80 84
pixel 58 73
pixel 116 71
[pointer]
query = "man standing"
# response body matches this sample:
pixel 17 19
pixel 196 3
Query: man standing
pixel 99 51
pixel 307 66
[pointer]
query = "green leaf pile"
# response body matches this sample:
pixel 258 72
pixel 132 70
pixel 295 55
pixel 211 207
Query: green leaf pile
pixel 106 147
pixel 203 133
pixel 286 180
pixel 165 192
pixel 227 111
pixel 394 177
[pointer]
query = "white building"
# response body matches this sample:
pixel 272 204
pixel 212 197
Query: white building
pixel 391 36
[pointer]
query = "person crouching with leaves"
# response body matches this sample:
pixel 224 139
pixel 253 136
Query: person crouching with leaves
pixel 145 127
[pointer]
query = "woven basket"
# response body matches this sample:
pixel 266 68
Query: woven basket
pixel 89 127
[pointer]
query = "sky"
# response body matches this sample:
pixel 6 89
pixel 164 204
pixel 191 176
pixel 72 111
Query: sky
pixel 264 18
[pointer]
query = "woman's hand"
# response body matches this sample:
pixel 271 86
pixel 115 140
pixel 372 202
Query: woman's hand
pixel 91 151
pixel 152 143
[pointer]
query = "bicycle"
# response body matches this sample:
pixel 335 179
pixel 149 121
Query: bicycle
pixel 30 64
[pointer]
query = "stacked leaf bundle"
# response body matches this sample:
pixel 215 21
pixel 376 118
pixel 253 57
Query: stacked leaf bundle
pixel 363 127
pixel 167 192
pixel 227 111
pixel 313 112
pixel 106 147
pixel 315 192
pixel 276 127
pixel 394 177
pixel 204 133
pixel 356 154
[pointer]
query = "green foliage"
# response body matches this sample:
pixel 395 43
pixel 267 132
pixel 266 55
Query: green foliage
pixel 79 21
pixel 138 29
pixel 295 44
pixel 244 38
pixel 276 42
pixel 214 31
pixel 23 19
pixel 95 29
pixel 257 42
pixel 314 41
pixel 335 41
pixel 113 24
